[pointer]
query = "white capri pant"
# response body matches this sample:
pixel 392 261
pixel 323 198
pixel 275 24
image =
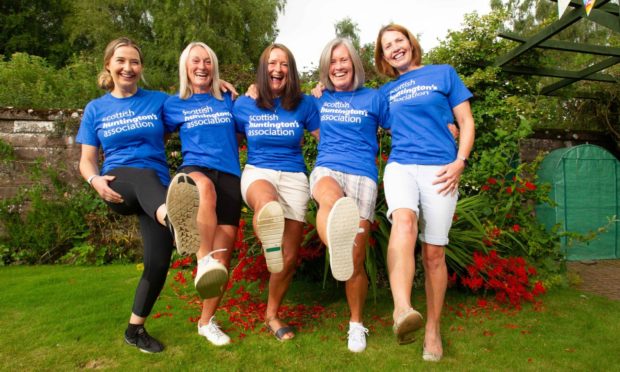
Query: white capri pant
pixel 411 186
pixel 292 188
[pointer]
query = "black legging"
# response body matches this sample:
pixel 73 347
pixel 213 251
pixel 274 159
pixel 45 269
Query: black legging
pixel 143 194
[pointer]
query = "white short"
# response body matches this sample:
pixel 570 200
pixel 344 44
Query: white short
pixel 410 186
pixel 361 188
pixel 292 188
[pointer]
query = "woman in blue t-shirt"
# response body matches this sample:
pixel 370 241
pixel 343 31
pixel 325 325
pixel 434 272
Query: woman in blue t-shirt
pixel 203 116
pixel 344 180
pixel 274 183
pixel 422 175
pixel 127 124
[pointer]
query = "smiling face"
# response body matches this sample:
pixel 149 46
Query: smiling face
pixel 126 69
pixel 341 69
pixel 397 51
pixel 199 70
pixel 277 70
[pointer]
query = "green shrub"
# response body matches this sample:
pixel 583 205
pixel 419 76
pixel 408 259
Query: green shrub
pixel 30 82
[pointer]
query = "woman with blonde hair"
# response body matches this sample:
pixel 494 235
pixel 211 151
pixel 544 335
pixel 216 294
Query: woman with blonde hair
pixel 203 117
pixel 127 124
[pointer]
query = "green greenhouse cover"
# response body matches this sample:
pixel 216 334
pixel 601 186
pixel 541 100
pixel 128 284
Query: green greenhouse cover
pixel 585 184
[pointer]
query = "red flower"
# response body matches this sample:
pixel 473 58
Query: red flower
pixel 492 181
pixel 516 228
pixel 530 186
pixel 485 188
pixel 509 190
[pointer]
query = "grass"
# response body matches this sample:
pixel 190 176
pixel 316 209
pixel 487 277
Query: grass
pixel 65 318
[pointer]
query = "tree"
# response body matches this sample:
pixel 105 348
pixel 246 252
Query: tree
pixel 35 27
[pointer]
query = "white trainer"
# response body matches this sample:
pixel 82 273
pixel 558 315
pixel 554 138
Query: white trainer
pixel 211 276
pixel 182 200
pixel 342 228
pixel 357 337
pixel 270 229
pixel 213 333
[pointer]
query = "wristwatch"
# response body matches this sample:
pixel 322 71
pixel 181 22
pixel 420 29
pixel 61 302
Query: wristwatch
pixel 464 159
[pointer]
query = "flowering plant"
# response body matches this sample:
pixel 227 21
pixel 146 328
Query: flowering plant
pixel 509 278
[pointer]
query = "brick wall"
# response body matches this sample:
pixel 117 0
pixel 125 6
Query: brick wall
pixel 48 135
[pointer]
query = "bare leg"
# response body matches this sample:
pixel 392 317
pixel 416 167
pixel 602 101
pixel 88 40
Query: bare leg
pixel 357 286
pixel 206 220
pixel 436 282
pixel 279 282
pixel 326 192
pixel 401 261
pixel 224 238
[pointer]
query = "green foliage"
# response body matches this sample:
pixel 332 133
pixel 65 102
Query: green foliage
pixel 57 221
pixel 35 27
pixel 30 82
pixel 7 153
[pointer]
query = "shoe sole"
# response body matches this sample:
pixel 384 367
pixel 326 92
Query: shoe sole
pixel 182 202
pixel 270 228
pixel 342 228
pixel 211 283
pixel 405 329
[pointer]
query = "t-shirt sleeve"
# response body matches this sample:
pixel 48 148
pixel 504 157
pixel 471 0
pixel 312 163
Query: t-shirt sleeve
pixel 237 112
pixel 313 119
pixel 458 92
pixel 86 134
pixel 384 111
pixel 170 123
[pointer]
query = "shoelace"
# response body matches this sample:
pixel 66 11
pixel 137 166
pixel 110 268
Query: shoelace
pixel 210 257
pixel 357 332
pixel 215 328
pixel 144 336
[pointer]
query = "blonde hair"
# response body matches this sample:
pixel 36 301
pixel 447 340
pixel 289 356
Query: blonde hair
pixel 105 81
pixel 185 87
pixel 359 77
pixel 382 66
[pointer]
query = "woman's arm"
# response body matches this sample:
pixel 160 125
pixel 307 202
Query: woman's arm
pixel 450 174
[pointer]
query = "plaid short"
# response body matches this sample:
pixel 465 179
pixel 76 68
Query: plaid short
pixel 361 188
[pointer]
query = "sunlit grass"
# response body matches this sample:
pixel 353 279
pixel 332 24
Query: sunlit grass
pixel 60 318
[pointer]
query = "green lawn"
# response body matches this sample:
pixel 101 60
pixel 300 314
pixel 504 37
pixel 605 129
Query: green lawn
pixel 60 318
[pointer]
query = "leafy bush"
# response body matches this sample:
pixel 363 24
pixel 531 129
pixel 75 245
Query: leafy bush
pixel 55 220
pixel 30 82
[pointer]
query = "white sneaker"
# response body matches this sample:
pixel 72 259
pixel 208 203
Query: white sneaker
pixel 270 228
pixel 213 333
pixel 211 276
pixel 357 337
pixel 342 228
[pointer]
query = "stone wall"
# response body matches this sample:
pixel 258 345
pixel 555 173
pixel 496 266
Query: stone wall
pixel 548 140
pixel 45 135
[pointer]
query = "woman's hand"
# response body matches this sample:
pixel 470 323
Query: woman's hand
pixel 228 87
pixel 449 176
pixel 252 92
pixel 101 185
pixel 318 89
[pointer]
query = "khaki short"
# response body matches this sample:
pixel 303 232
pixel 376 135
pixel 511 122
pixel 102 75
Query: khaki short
pixel 361 188
pixel 292 188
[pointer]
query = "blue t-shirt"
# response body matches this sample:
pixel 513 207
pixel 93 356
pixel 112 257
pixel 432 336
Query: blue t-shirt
pixel 421 103
pixel 206 129
pixel 130 130
pixel 274 136
pixel 349 122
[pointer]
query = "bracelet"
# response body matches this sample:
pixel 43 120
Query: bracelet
pixel 91 178
pixel 464 159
